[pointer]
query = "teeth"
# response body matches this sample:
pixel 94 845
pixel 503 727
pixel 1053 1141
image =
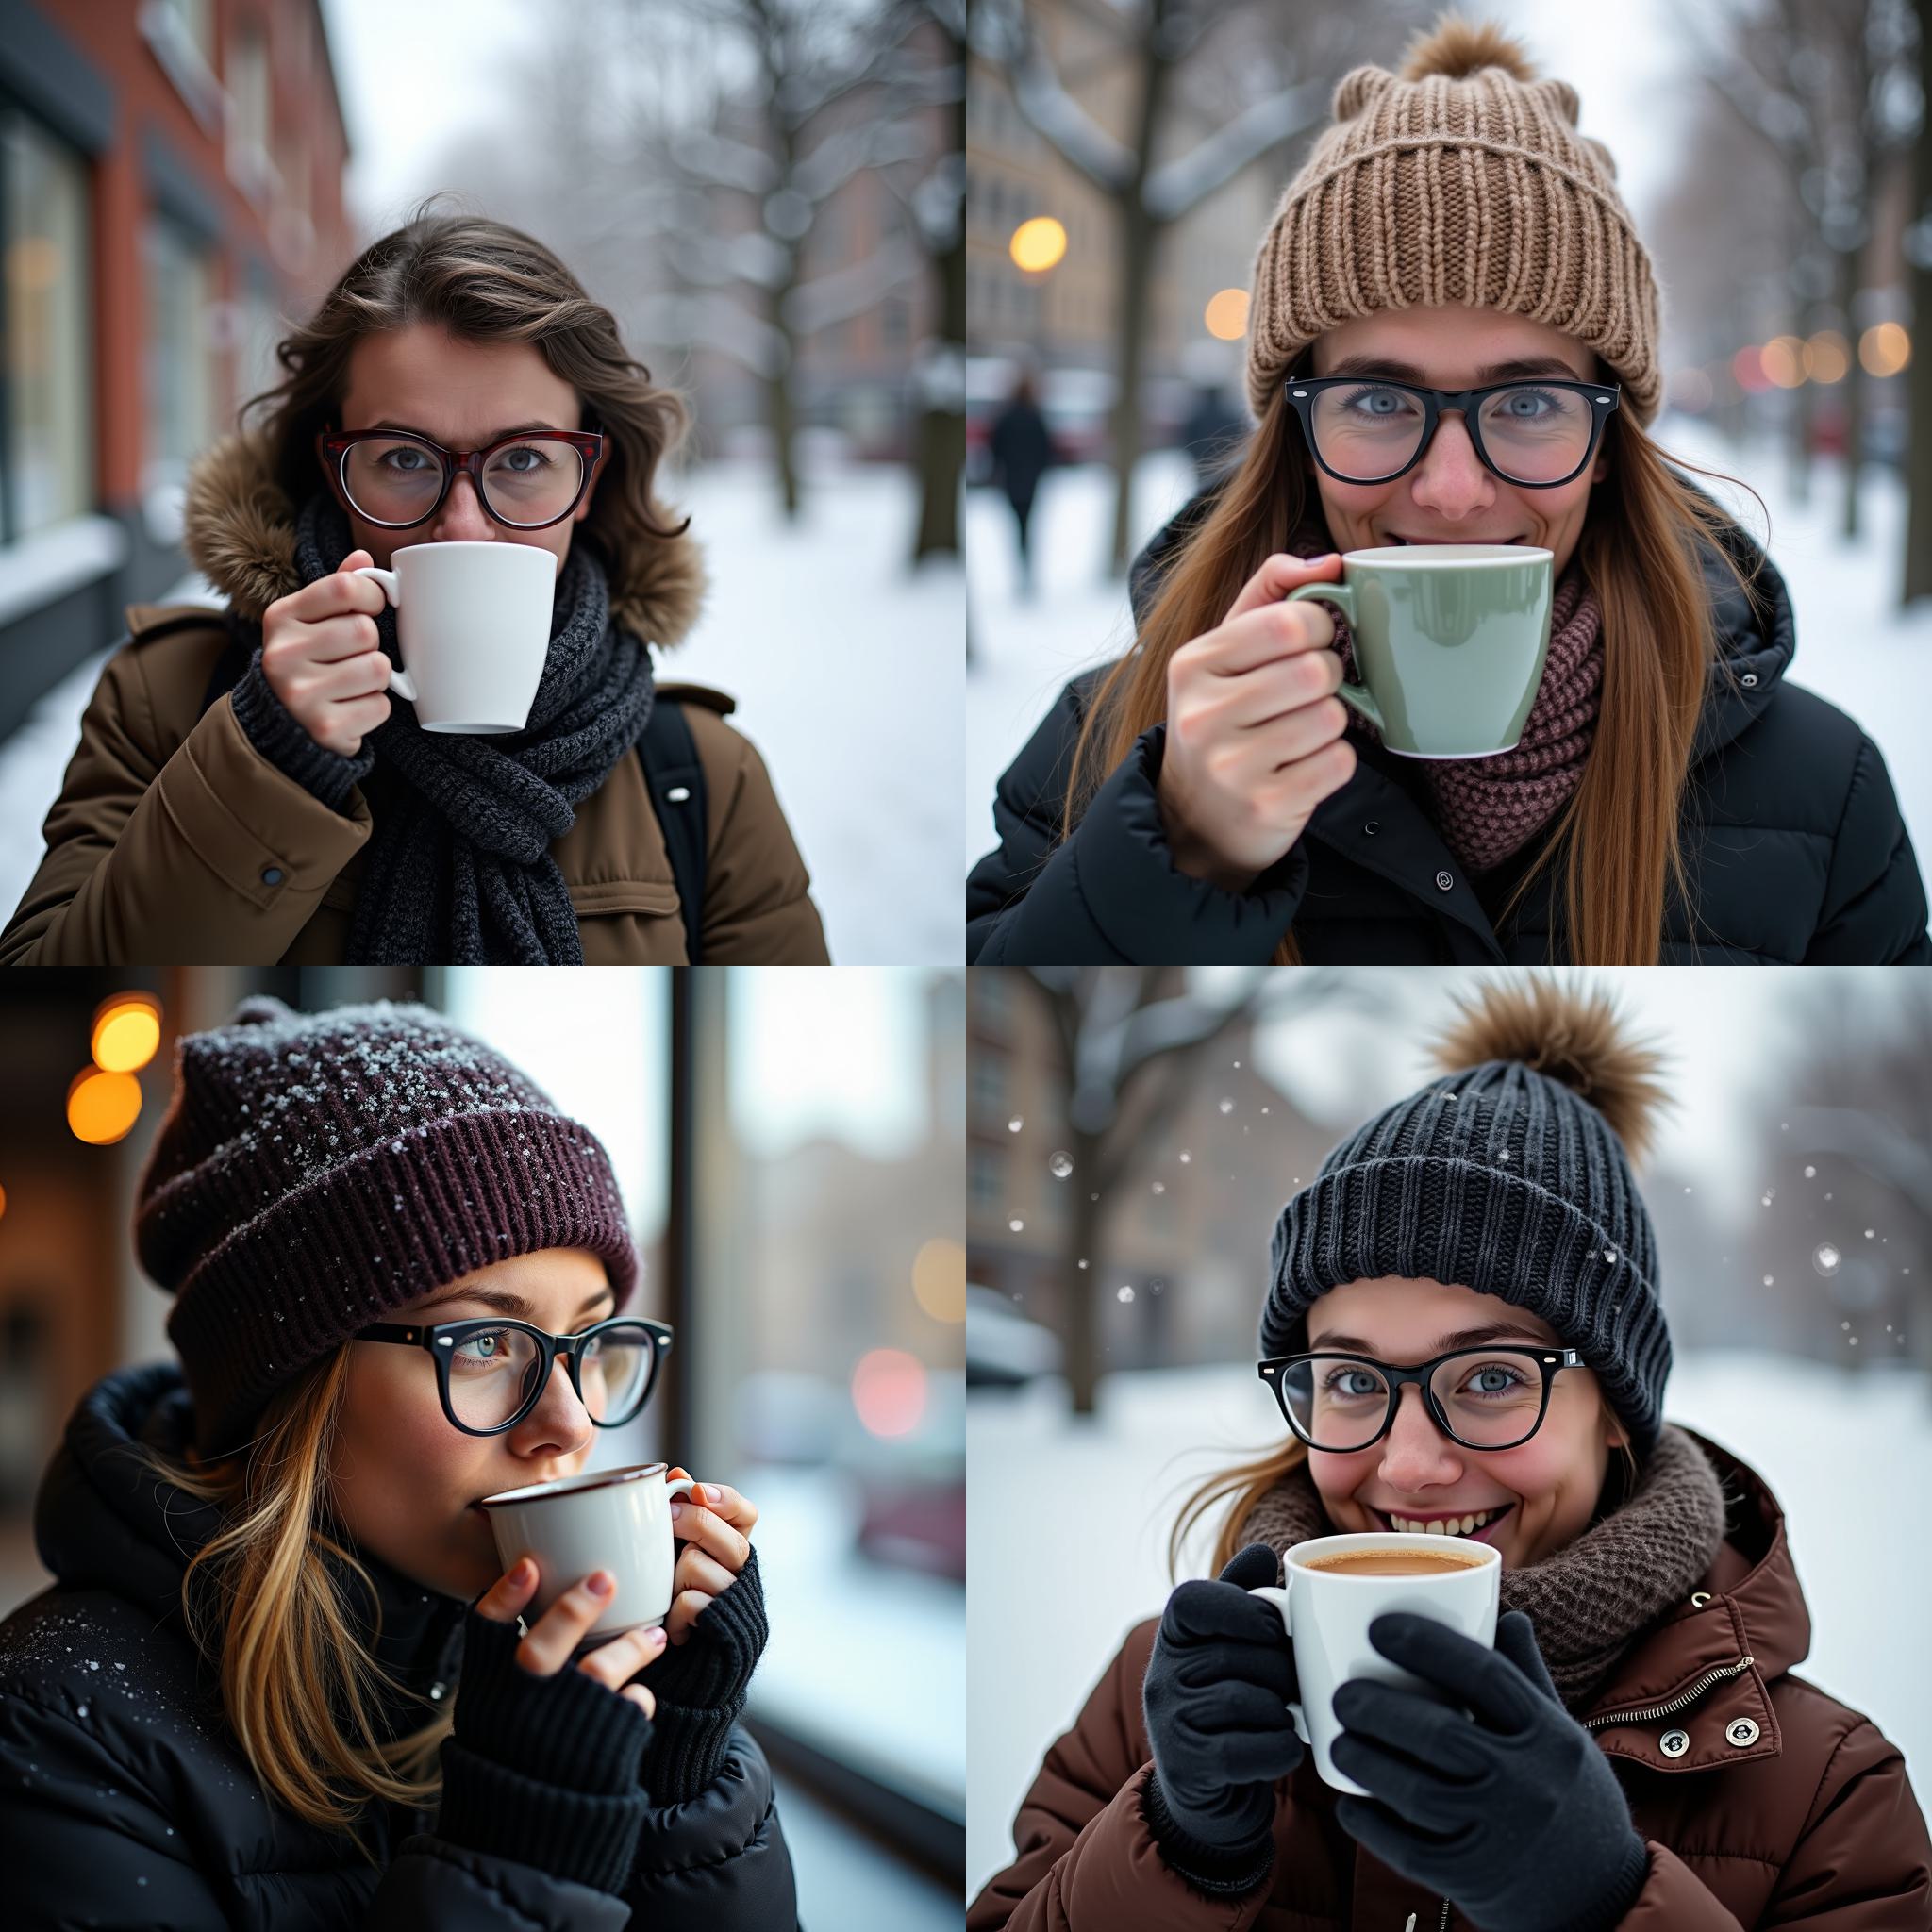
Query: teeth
pixel 1449 1526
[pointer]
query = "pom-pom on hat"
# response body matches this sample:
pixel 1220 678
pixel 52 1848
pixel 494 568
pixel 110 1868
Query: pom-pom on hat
pixel 1462 179
pixel 315 1171
pixel 1512 1177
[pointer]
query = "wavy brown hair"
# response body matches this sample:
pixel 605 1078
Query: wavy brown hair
pixel 1248 1482
pixel 1617 833
pixel 484 282
pixel 299 1687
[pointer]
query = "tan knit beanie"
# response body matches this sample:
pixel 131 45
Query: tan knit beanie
pixel 1463 179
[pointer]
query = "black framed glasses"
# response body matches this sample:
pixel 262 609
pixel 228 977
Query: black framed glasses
pixel 1535 435
pixel 398 478
pixel 491 1372
pixel 1484 1398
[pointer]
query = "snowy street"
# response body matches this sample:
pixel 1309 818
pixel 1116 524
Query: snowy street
pixel 1854 648
pixel 1067 1538
pixel 846 668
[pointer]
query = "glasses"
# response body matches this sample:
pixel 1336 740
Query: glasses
pixel 1536 435
pixel 1484 1398
pixel 491 1373
pixel 398 479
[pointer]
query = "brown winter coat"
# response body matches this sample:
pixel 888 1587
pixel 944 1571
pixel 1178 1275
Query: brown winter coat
pixel 176 842
pixel 1806 1818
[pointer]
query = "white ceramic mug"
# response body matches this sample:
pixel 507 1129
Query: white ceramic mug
pixel 617 1519
pixel 1326 1614
pixel 473 624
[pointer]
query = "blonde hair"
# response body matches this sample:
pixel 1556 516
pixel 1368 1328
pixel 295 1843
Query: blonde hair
pixel 1248 1482
pixel 1619 832
pixel 298 1685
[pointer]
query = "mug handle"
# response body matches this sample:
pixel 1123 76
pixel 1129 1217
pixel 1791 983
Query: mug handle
pixel 679 1485
pixel 391 584
pixel 1342 597
pixel 1277 1594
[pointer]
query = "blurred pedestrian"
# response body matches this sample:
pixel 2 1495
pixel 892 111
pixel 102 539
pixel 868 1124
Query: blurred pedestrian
pixel 1484 375
pixel 245 789
pixel 1214 433
pixel 1022 447
pixel 1634 1750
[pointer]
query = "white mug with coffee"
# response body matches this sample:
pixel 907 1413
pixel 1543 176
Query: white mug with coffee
pixel 617 1519
pixel 1339 1585
pixel 473 624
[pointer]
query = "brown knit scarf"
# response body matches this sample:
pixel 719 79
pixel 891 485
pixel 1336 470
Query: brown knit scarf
pixel 1590 1598
pixel 1486 808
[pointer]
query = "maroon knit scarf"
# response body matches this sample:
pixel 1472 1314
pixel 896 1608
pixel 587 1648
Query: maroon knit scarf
pixel 1486 808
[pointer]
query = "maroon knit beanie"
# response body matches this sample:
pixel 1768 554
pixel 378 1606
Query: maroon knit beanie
pixel 317 1170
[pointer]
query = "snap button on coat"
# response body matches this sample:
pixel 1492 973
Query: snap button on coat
pixel 1675 1744
pixel 1445 881
pixel 1741 1732
pixel 271 874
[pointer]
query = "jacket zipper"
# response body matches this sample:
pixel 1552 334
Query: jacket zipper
pixel 1626 1717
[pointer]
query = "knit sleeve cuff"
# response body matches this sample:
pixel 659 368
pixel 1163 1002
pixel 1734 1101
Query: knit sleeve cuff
pixel 489 1808
pixel 700 1687
pixel 563 1729
pixel 284 744
pixel 1214 1871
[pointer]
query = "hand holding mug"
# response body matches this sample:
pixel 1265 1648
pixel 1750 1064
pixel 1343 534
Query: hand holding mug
pixel 556 1635
pixel 710 1525
pixel 1253 728
pixel 321 656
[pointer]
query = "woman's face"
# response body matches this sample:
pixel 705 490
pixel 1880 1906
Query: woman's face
pixel 405 1477
pixel 463 395
pixel 1449 498
pixel 1549 1484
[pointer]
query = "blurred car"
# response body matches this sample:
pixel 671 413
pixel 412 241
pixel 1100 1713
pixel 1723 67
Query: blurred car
pixel 1004 1349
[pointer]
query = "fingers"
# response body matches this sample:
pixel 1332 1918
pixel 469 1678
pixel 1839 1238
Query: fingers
pixel 1201 1611
pixel 686 1607
pixel 697 1571
pixel 1260 637
pixel 615 1664
pixel 1415 1792
pixel 1249 1568
pixel 1279 576
pixel 1409 1721
pixel 1490 1686
pixel 504 1601
pixel 709 1531
pixel 722 1499
pixel 564 1625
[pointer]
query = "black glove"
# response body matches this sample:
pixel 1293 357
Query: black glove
pixel 1517 1817
pixel 1215 1699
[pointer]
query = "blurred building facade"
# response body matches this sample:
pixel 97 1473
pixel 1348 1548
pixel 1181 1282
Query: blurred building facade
pixel 170 182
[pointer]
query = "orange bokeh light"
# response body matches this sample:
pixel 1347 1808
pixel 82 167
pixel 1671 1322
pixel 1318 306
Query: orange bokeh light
pixel 100 1108
pixel 889 1391
pixel 126 1031
pixel 1747 367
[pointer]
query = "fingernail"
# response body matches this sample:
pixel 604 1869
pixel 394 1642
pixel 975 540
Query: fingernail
pixel 709 1493
pixel 677 1506
pixel 524 1570
pixel 603 1583
pixel 655 1639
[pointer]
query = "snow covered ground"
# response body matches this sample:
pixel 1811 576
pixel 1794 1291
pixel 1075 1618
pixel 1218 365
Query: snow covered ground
pixel 1854 648
pixel 1067 1535
pixel 846 668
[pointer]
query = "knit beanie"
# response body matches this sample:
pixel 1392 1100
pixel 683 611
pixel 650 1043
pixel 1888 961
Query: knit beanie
pixel 315 1171
pixel 1461 180
pixel 1511 1176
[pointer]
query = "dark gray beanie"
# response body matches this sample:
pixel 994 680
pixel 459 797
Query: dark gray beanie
pixel 1504 1180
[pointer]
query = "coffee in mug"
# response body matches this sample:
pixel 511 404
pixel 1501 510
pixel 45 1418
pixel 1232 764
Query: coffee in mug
pixel 1338 1586
pixel 617 1519
pixel 1450 639
pixel 473 622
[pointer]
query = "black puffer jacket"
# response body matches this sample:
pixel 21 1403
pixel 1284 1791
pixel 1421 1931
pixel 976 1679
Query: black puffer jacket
pixel 125 1801
pixel 1793 842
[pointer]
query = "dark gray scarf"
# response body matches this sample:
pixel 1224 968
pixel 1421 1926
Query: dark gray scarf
pixel 1590 1599
pixel 458 869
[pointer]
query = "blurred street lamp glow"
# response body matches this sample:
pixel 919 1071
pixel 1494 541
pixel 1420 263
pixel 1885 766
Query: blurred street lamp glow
pixel 1748 371
pixel 127 1029
pixel 100 1108
pixel 939 1279
pixel 1038 246
pixel 1885 349
pixel 1227 316
pixel 888 1391
pixel 1783 359
pixel 3 1200
pixel 1690 390
pixel 1831 360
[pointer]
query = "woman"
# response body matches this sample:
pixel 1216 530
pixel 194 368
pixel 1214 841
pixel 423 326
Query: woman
pixel 278 1679
pixel 245 789
pixel 1207 797
pixel 1638 1754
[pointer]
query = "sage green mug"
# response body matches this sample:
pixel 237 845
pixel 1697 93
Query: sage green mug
pixel 1450 639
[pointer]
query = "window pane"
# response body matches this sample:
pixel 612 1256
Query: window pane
pixel 180 387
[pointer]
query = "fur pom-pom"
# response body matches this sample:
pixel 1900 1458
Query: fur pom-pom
pixel 1456 47
pixel 1574 1037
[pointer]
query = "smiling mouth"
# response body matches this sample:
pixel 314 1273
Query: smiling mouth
pixel 1482 1523
pixel 1424 542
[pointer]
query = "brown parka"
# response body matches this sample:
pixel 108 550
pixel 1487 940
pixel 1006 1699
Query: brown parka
pixel 1763 1801
pixel 175 842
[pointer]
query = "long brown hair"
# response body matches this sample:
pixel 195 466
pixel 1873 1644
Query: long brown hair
pixel 484 281
pixel 1248 1482
pixel 1619 831
pixel 299 1687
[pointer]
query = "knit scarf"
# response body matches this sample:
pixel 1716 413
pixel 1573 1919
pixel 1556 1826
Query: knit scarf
pixel 1590 1598
pixel 458 869
pixel 1486 808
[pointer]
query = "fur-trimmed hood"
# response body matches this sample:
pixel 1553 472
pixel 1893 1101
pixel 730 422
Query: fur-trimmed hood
pixel 239 530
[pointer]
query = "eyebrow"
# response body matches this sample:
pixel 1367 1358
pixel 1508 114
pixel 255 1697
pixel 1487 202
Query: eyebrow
pixel 1495 372
pixel 1463 1338
pixel 520 429
pixel 506 1302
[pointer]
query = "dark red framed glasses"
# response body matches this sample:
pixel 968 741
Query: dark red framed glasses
pixel 397 479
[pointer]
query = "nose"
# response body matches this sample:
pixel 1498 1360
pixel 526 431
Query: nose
pixel 462 518
pixel 1415 1453
pixel 1451 481
pixel 558 1415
